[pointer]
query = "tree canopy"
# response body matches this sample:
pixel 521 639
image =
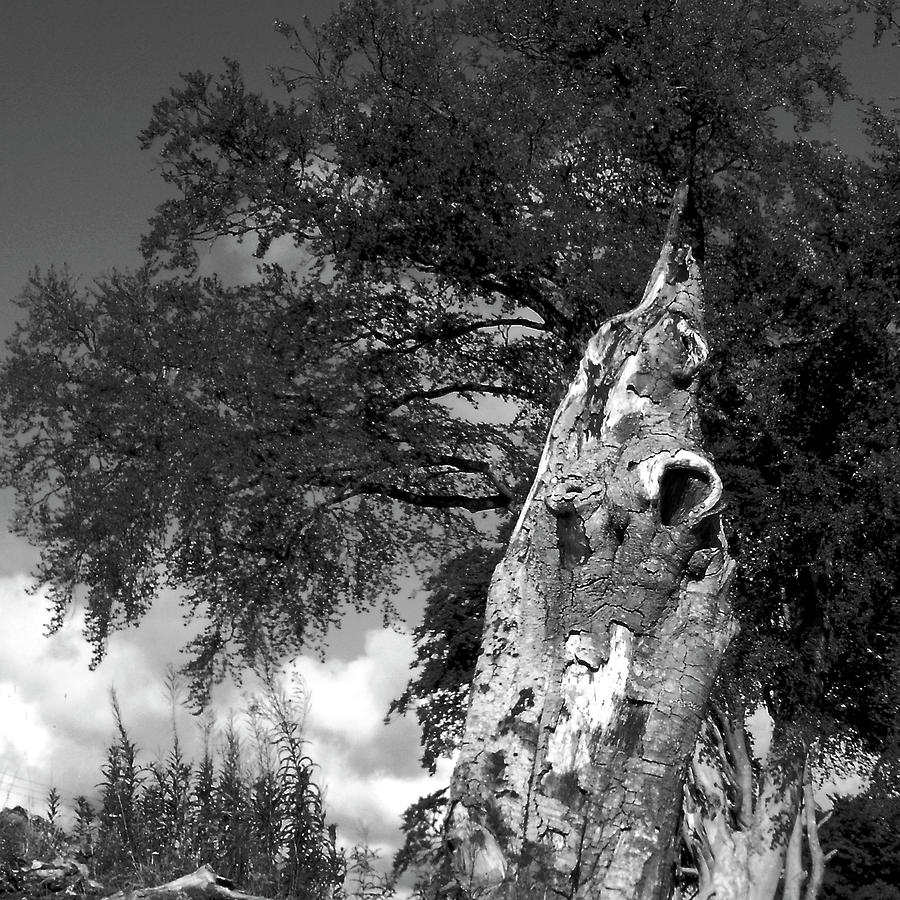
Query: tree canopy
pixel 467 190
pixel 863 834
pixel 803 417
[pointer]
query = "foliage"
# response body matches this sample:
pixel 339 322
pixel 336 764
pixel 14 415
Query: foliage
pixel 864 834
pixel 260 821
pixel 448 642
pixel 283 434
pixel 499 147
pixel 423 848
pixel 467 192
pixel 803 416
pixel 365 880
pixel 249 808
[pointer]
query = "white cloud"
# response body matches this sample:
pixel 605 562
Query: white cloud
pixel 22 777
pixel 349 698
pixel 56 712
pixel 57 720
pixel 370 770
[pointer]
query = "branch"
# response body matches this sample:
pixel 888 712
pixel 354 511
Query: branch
pixel 449 333
pixel 550 303
pixel 736 738
pixel 727 769
pixel 522 292
pixel 817 858
pixel 432 501
pixel 476 467
pixel 696 838
pixel 465 387
pixel 793 864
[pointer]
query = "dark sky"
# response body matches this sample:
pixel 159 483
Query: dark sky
pixel 79 79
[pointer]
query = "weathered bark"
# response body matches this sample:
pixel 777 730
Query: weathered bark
pixel 606 624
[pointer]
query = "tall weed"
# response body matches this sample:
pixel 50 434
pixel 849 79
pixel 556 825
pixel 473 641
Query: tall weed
pixel 250 807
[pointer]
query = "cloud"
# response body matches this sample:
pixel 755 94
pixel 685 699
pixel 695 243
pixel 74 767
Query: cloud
pixel 370 770
pixel 349 698
pixel 56 712
pixel 58 723
pixel 232 259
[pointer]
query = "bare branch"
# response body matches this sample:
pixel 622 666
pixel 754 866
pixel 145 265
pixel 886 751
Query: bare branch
pixel 724 762
pixel 465 387
pixel 549 303
pixel 431 501
pixel 479 467
pixel 449 333
pixel 738 748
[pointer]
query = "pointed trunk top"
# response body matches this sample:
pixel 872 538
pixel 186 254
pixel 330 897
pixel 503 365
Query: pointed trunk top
pixel 606 621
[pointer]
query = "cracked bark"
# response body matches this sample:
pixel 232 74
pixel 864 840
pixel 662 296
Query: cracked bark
pixel 606 624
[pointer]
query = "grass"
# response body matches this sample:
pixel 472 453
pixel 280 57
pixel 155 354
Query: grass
pixel 249 807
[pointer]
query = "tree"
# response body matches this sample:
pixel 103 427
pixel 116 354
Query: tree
pixel 606 623
pixel 862 833
pixel 470 191
pixel 271 507
pixel 456 219
pixel 809 396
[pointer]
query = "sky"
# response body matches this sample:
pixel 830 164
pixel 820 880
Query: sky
pixel 78 83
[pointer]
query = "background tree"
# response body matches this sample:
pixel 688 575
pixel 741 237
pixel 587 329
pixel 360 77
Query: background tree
pixel 863 833
pixel 465 212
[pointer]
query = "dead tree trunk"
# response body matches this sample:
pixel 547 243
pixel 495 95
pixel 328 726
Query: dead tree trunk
pixel 606 624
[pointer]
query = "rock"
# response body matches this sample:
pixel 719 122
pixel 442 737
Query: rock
pixel 13 833
pixel 63 875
